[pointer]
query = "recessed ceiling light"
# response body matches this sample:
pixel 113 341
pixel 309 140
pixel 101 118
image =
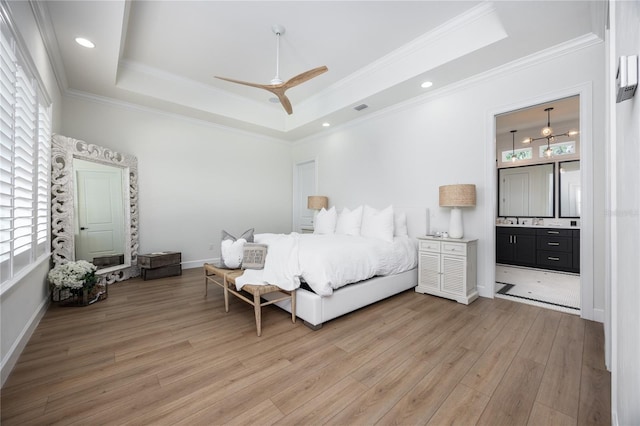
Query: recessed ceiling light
pixel 426 84
pixel 325 124
pixel 85 42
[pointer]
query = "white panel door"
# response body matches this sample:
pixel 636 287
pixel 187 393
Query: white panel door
pixel 100 214
pixel 514 195
pixel 304 185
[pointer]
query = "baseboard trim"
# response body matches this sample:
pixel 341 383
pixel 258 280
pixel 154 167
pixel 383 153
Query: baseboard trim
pixel 192 264
pixel 598 315
pixel 18 346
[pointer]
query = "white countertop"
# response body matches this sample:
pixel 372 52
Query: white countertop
pixel 507 225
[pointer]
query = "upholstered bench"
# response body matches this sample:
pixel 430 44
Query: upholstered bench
pixel 229 276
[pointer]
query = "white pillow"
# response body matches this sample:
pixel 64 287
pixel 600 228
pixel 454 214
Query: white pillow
pixel 325 221
pixel 232 252
pixel 349 221
pixel 377 223
pixel 400 224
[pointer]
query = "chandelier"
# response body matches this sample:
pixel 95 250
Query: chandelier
pixel 547 133
pixel 513 146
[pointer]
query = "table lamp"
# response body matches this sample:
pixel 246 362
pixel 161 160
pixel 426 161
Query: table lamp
pixel 316 203
pixel 456 196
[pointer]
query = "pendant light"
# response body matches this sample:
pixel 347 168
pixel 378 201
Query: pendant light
pixel 513 146
pixel 547 133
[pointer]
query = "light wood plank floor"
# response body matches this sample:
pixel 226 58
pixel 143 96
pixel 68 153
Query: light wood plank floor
pixel 157 352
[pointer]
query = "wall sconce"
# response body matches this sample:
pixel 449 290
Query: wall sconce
pixel 455 196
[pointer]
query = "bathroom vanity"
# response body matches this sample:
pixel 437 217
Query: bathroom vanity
pixel 553 248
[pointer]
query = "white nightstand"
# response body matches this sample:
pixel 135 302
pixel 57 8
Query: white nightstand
pixel 447 268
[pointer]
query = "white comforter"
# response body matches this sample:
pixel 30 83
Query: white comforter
pixel 327 262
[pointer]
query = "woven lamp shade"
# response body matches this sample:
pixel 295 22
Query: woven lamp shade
pixel 317 202
pixel 463 195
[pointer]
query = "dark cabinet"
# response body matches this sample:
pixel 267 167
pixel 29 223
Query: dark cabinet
pixel 576 250
pixel 545 248
pixel 555 249
pixel 516 246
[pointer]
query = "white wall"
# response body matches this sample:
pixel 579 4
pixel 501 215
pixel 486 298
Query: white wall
pixel 22 305
pixel 195 179
pixel 625 218
pixel 402 155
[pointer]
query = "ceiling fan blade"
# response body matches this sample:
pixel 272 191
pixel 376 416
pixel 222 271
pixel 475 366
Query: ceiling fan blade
pixel 285 103
pixel 246 83
pixel 305 76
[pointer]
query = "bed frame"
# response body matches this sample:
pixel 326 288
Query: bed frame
pixel 315 310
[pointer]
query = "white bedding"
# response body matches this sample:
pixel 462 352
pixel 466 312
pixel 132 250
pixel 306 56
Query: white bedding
pixel 327 262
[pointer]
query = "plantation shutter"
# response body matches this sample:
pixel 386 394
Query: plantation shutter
pixel 24 167
pixel 25 131
pixel 44 166
pixel 7 107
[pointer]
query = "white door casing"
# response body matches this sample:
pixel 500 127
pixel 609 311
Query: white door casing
pixel 304 185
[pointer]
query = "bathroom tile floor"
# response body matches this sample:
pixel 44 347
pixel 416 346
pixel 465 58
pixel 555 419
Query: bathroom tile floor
pixel 559 291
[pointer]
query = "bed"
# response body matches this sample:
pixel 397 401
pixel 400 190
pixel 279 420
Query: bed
pixel 374 269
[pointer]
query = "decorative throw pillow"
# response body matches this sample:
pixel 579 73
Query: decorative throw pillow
pixel 325 222
pixel 349 221
pixel 254 256
pixel 377 223
pixel 231 248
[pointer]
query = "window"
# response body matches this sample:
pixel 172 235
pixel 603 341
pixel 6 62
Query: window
pixel 519 154
pixel 560 148
pixel 25 120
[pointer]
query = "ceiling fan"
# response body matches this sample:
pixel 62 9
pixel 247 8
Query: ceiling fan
pixel 277 86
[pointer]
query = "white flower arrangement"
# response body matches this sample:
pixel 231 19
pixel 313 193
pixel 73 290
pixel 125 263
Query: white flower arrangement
pixel 73 275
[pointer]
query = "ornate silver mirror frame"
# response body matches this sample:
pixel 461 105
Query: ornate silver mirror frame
pixel 63 221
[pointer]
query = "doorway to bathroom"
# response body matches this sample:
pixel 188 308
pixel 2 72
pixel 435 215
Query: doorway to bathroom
pixel 539 199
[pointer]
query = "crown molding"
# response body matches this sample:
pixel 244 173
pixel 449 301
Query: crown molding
pixel 50 41
pixel 84 96
pixel 419 44
pixel 545 55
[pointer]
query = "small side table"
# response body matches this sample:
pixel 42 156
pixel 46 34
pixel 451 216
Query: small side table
pixel 160 264
pixel 228 284
pixel 447 268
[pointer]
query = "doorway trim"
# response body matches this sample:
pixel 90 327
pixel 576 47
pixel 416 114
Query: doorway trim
pixel 295 207
pixel 584 90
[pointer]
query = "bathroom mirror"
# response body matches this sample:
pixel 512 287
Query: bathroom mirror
pixel 526 191
pixel 94 207
pixel 570 191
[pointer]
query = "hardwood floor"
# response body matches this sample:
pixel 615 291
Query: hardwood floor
pixel 157 352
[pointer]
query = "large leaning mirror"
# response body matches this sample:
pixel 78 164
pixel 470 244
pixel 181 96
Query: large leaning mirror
pixel 526 191
pixel 570 191
pixel 94 214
